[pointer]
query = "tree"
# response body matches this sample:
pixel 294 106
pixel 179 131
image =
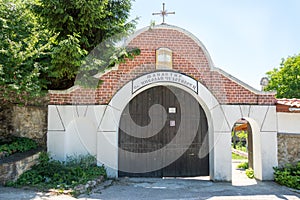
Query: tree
pixel 286 79
pixel 81 25
pixel 43 43
pixel 23 48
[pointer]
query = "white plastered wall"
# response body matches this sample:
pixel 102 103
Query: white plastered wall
pixel 72 130
pixel 94 129
pixel 262 120
pixel 68 125
pixel 288 123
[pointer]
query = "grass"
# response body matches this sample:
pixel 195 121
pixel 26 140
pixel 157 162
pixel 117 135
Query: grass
pixel 238 157
pixel 240 147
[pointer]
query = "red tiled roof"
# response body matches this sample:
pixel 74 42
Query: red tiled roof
pixel 289 102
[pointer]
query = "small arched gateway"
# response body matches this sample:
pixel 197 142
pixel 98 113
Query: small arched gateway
pixel 168 112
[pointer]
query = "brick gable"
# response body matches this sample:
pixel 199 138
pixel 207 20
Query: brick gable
pixel 189 57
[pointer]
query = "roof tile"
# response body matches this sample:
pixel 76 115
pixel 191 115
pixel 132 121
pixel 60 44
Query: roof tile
pixel 289 102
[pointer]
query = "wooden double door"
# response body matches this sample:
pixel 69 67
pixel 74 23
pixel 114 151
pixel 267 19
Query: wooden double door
pixel 163 132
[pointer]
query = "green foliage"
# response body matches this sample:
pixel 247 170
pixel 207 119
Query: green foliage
pixel 68 48
pixel 250 173
pixel 239 139
pixel 286 79
pixel 288 175
pixel 103 57
pixel 84 27
pixel 237 157
pixel 243 165
pixel 58 175
pixel 19 145
pixel 240 146
pixel 92 20
pixel 44 158
pixel 242 134
pixel 23 46
pixel 43 43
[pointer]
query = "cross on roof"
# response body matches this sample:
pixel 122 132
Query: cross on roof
pixel 164 13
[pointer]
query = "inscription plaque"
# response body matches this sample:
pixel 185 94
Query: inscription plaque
pixel 164 76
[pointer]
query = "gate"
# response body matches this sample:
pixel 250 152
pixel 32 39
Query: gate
pixel 163 117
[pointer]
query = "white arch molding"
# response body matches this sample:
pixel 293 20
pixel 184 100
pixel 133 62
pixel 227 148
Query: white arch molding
pixel 256 142
pixel 218 136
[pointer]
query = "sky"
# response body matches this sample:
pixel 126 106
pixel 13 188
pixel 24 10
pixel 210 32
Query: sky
pixel 245 38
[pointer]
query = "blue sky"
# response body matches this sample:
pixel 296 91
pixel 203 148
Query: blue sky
pixel 245 38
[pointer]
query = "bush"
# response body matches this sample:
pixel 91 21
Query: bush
pixel 240 146
pixel 288 175
pixel 52 174
pixel 243 165
pixel 18 145
pixel 250 173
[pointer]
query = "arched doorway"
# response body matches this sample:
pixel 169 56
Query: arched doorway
pixel 163 132
pixel 242 140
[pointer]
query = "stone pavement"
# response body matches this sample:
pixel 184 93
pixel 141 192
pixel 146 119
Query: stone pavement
pixel 171 188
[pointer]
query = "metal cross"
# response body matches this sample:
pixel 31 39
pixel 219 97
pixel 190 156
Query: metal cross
pixel 164 13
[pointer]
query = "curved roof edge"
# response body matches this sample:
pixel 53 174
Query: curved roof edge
pixel 243 84
pixel 172 27
pixel 200 44
pixel 196 40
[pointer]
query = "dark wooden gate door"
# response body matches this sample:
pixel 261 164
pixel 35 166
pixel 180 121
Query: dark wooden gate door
pixel 156 125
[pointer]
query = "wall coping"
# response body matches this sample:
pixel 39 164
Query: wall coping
pixel 243 84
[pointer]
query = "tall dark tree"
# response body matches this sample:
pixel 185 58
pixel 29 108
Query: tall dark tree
pixel 286 79
pixel 43 43
pixel 80 26
pixel 23 49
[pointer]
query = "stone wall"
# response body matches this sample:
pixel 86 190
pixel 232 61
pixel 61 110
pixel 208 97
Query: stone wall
pixel 24 121
pixel 288 149
pixel 30 122
pixel 11 170
pixel 5 120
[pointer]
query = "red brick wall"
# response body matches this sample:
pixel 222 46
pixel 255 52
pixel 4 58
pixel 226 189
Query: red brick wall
pixel 188 58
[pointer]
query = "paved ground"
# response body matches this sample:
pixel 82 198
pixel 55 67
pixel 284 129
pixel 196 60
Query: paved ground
pixel 154 188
